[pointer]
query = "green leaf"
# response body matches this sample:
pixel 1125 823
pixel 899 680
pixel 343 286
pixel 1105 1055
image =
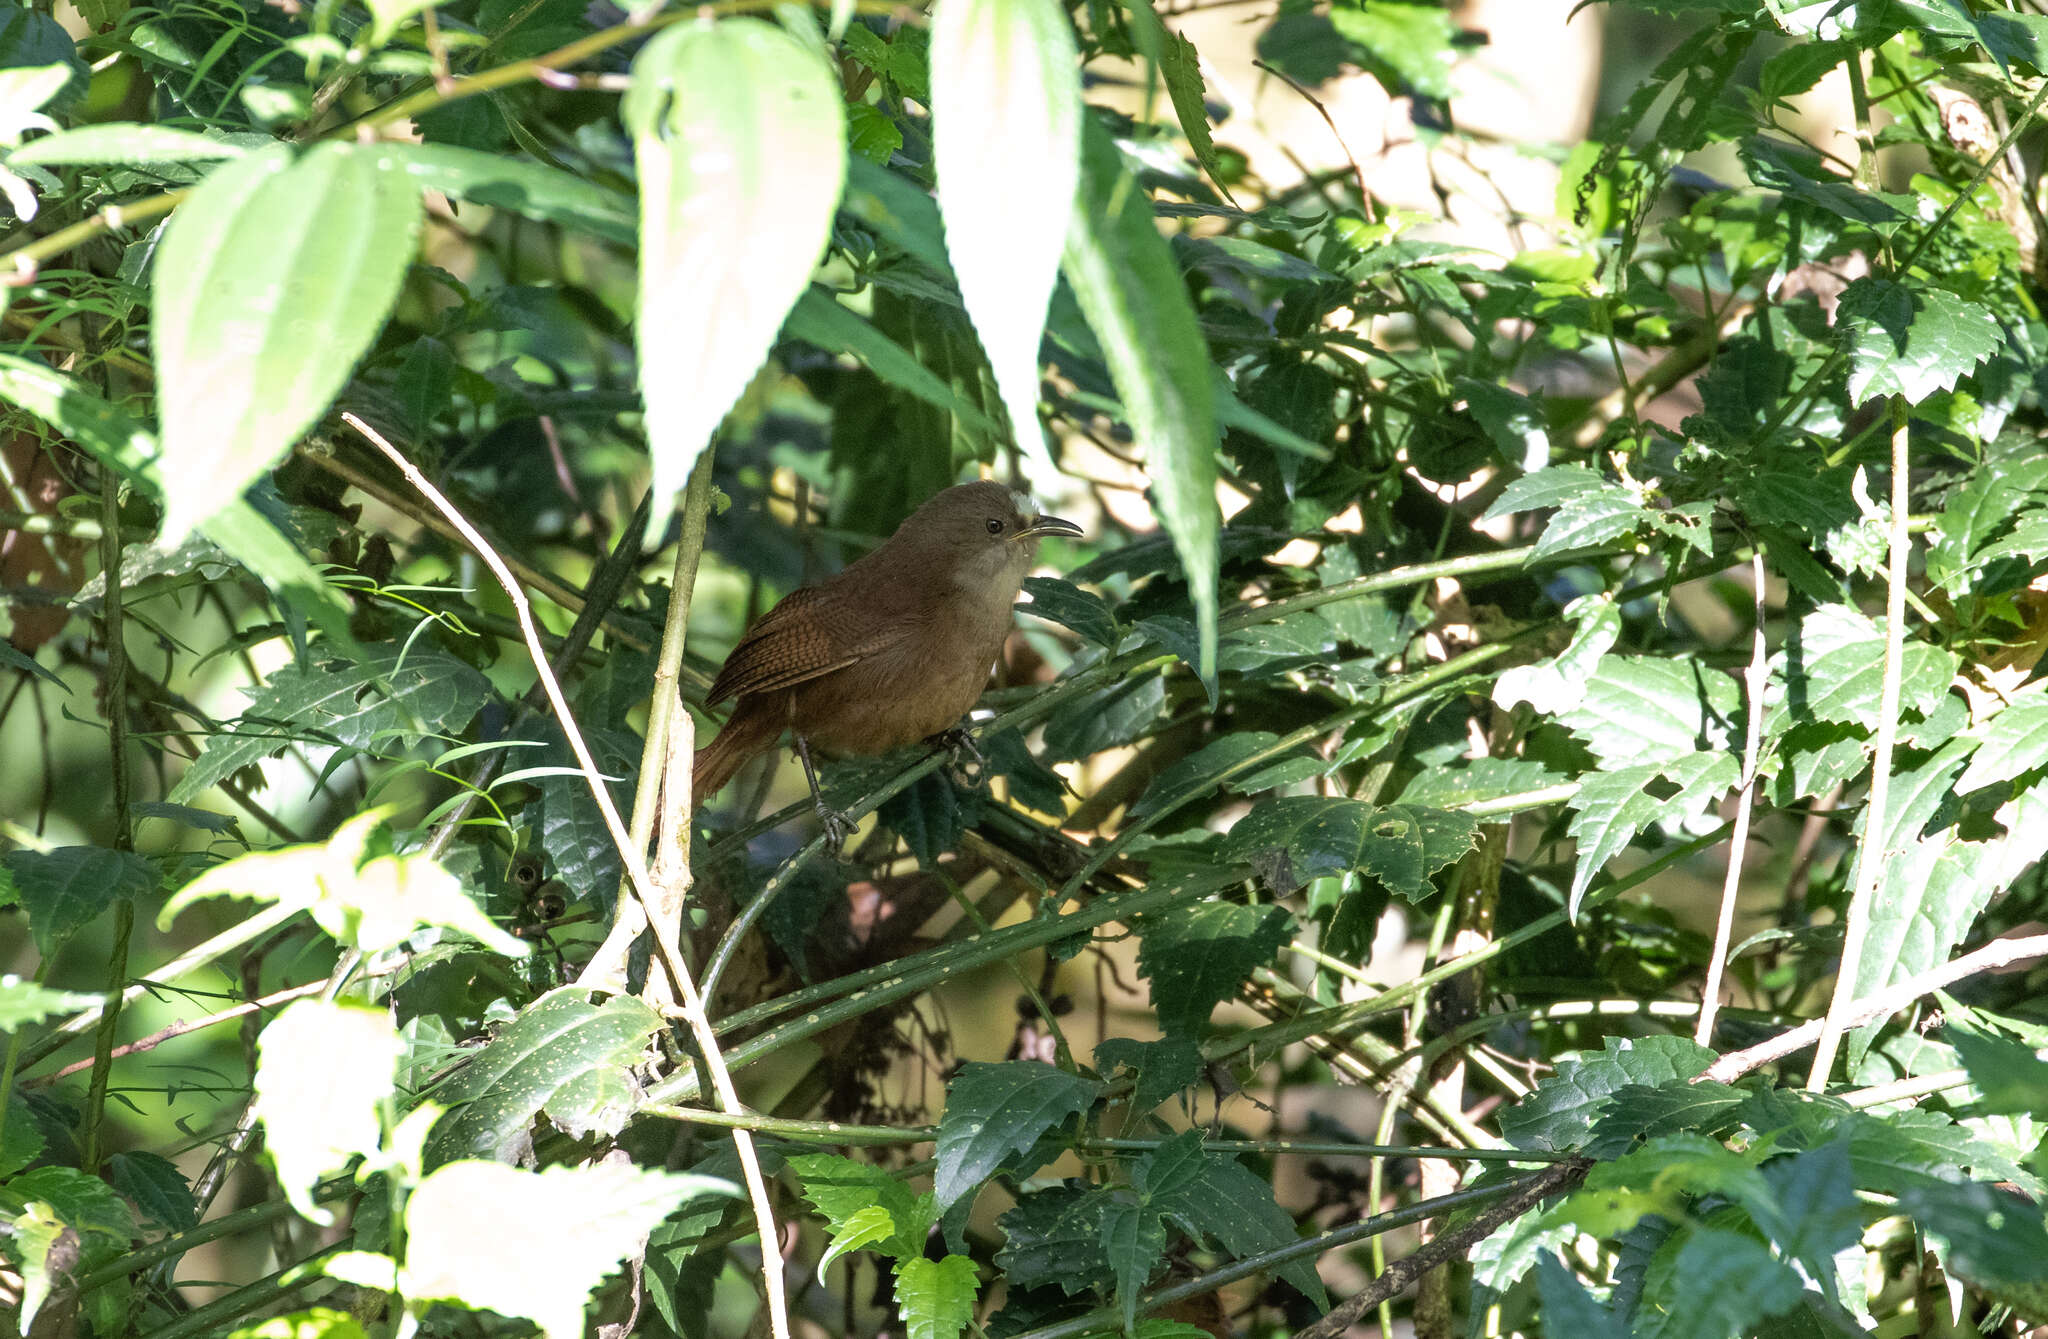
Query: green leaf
pixel 123 142
pixel 1134 1240
pixel 360 891
pixel 1124 276
pixel 2010 744
pixel 1988 500
pixel 1213 1195
pixel 1294 839
pixel 1637 1112
pixel 1801 176
pixel 316 1323
pixel 1568 1308
pixel 1181 69
pixel 1411 41
pixel 2010 1076
pixel 1105 719
pixel 388 16
pixel 391 694
pixel 844 1190
pixel 1559 684
pixel 271 281
pixel 1834 669
pixel 1006 124
pixel 156 1187
pixel 1552 487
pixel 861 1229
pixel 1227 755
pixel 323 1074
pixel 87 1205
pixel 820 319
pixel 65 889
pixel 1911 342
pixel 935 1298
pixel 1053 1238
pixel 740 137
pixel 553 1236
pixel 994 1110
pixel 1197 957
pixel 21 1139
pixel 1612 807
pixel 1717 1285
pixel 1559 1115
pixel 561 1055
pixel 39 1250
pixel 520 185
pixel 1064 603
pixel 1163 1068
pixel 1990 1238
pixel 1649 709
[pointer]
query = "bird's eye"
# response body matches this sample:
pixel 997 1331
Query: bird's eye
pixel 995 526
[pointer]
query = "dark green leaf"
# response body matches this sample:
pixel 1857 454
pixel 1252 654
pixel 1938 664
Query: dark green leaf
pixel 1213 1195
pixel 1297 838
pixel 994 1110
pixel 64 889
pixel 1911 342
pixel 1163 1068
pixel 1559 1116
pixel 1054 1238
pixel 1066 604
pixel 156 1187
pixel 1198 956
pixel 1716 1285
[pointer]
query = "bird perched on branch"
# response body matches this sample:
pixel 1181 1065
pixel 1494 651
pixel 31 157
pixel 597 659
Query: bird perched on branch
pixel 893 650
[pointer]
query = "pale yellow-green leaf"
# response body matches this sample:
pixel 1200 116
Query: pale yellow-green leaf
pixel 388 16
pixel 532 1245
pixel 739 135
pixel 23 90
pixel 365 1269
pixel 1006 116
pixel 863 1227
pixel 323 1073
pixel 35 1232
pixel 272 280
pixel 315 1323
pixel 356 888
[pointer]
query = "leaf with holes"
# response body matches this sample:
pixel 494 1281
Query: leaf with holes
pixel 1294 839
pixel 1911 341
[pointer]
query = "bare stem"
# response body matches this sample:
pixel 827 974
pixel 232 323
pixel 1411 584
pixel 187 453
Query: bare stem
pixel 1738 843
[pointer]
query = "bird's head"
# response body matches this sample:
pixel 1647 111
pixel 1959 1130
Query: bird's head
pixel 984 534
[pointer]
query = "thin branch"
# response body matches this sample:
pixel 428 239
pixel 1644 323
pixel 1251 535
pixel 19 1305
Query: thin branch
pixel 164 1034
pixel 1872 854
pixel 635 860
pixel 1738 843
pixel 1994 955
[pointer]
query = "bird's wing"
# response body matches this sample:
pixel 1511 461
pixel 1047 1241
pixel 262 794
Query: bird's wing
pixel 811 632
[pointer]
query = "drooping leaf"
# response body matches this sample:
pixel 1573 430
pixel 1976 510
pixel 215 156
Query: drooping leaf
pixel 1612 807
pixel 1911 341
pixel 1064 603
pixel 271 281
pixel 64 889
pixel 323 1073
pixel 1006 125
pixel 1125 278
pixel 739 134
pixel 561 1055
pixel 1198 956
pixel 1134 1240
pixel 995 1110
pixel 842 1189
pixel 1215 1196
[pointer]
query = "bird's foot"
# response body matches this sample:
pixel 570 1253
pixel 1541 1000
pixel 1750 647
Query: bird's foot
pixel 959 742
pixel 836 825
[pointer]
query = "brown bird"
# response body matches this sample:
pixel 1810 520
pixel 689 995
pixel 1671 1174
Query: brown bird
pixel 894 649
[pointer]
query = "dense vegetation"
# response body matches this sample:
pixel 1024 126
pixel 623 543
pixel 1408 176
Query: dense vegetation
pixel 1536 767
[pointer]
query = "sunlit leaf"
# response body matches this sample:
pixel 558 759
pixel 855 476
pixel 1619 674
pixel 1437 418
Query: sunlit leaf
pixel 323 1073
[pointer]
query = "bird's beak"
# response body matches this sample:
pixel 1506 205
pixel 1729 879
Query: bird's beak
pixel 1048 525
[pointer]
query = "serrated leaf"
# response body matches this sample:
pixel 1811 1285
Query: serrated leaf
pixel 21 1139
pixel 1214 1196
pixel 994 1110
pixel 1197 957
pixel 1716 1285
pixel 1834 669
pixel 2009 1076
pixel 64 889
pixel 1134 1241
pixel 1612 807
pixel 1637 1112
pixel 2010 744
pixel 1590 521
pixel 360 891
pixel 1163 1068
pixel 553 1236
pixel 157 1188
pixel 842 1190
pixel 391 694
pixel 1105 719
pixel 1053 1238
pixel 1552 487
pixel 1989 498
pixel 1202 771
pixel 323 1074
pixel 861 1229
pixel 1648 709
pixel 1124 275
pixel 1180 69
pixel 1559 684
pixel 562 1054
pixel 1294 839
pixel 1911 342
pixel 23 1002
pixel 1990 1238
pixel 739 134
pixel 272 279
pixel 1066 604
pixel 935 1298
pixel 1559 1115
pixel 86 1204
pixel 1800 176
pixel 1006 128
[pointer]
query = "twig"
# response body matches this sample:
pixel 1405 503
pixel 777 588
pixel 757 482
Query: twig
pixel 1738 843
pixel 1364 193
pixel 1994 955
pixel 635 859
pixel 164 1034
pixel 1447 1246
pixel 1870 856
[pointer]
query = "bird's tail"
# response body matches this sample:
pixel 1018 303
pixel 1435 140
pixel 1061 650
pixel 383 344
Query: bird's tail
pixel 751 731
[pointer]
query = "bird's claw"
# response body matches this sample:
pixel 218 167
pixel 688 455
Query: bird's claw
pixel 836 825
pixel 959 741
